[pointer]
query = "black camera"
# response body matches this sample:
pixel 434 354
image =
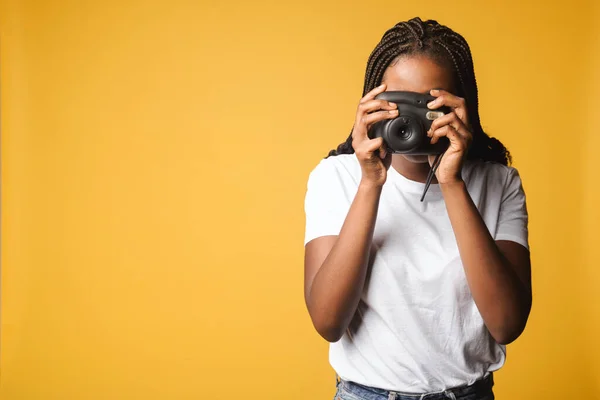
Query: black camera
pixel 407 133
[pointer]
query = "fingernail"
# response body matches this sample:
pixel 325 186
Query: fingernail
pixel 431 104
pixel 382 85
pixel 392 104
pixel 434 91
pixel 393 111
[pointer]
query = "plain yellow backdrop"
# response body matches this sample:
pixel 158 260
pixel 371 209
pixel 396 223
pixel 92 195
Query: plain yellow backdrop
pixel 154 165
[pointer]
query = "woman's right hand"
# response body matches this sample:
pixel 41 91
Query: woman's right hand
pixel 372 153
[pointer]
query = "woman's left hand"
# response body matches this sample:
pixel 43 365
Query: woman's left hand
pixel 455 126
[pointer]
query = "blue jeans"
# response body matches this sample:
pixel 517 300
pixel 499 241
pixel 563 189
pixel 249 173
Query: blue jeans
pixel 480 390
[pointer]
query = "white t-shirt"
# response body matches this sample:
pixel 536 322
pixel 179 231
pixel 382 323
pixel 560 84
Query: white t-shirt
pixel 417 328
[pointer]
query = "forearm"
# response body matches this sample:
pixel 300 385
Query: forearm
pixel 337 287
pixel 502 299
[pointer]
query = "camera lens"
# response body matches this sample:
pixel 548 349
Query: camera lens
pixel 404 132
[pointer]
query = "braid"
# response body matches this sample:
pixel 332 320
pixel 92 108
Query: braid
pixel 429 38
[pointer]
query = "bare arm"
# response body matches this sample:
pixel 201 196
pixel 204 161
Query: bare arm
pixel 498 273
pixel 336 267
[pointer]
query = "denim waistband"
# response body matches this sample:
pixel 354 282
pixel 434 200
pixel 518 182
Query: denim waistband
pixel 480 388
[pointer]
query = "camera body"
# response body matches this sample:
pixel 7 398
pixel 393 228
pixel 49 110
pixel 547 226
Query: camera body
pixel 407 133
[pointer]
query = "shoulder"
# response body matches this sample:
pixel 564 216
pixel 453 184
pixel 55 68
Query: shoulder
pixel 344 167
pixel 495 177
pixel 331 187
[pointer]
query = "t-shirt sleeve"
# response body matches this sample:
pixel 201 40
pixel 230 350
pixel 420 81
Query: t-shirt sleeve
pixel 513 217
pixel 327 201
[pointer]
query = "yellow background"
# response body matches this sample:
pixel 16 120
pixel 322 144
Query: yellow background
pixel 154 163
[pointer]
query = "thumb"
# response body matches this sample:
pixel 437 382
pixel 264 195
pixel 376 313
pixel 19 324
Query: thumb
pixel 374 144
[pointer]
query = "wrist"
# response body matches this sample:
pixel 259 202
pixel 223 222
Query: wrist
pixel 453 185
pixel 369 186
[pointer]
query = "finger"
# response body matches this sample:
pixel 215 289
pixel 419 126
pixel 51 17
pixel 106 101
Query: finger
pixel 364 120
pixel 370 119
pixel 368 148
pixel 382 151
pixel 362 126
pixel 444 98
pixel 465 133
pixel 460 128
pixel 374 105
pixel 448 131
pixel 373 145
pixel 371 95
pixel 447 119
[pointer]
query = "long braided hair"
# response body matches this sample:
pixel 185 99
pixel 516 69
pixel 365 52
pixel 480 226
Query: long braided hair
pixel 446 47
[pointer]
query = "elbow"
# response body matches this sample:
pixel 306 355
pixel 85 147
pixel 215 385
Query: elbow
pixel 327 327
pixel 509 331
pixel 325 321
pixel 332 335
pixel 329 330
pixel 506 337
pixel 513 324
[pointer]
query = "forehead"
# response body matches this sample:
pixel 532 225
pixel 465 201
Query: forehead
pixel 417 74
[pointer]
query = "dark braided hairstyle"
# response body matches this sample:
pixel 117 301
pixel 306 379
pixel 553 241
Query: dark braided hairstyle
pixel 448 48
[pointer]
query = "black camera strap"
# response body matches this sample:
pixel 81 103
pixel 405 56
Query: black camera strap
pixel 434 167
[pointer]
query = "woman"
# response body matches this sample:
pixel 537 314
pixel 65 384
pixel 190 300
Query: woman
pixel 418 299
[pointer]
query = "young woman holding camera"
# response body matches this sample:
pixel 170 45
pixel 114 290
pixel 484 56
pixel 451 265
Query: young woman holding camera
pixel 418 299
